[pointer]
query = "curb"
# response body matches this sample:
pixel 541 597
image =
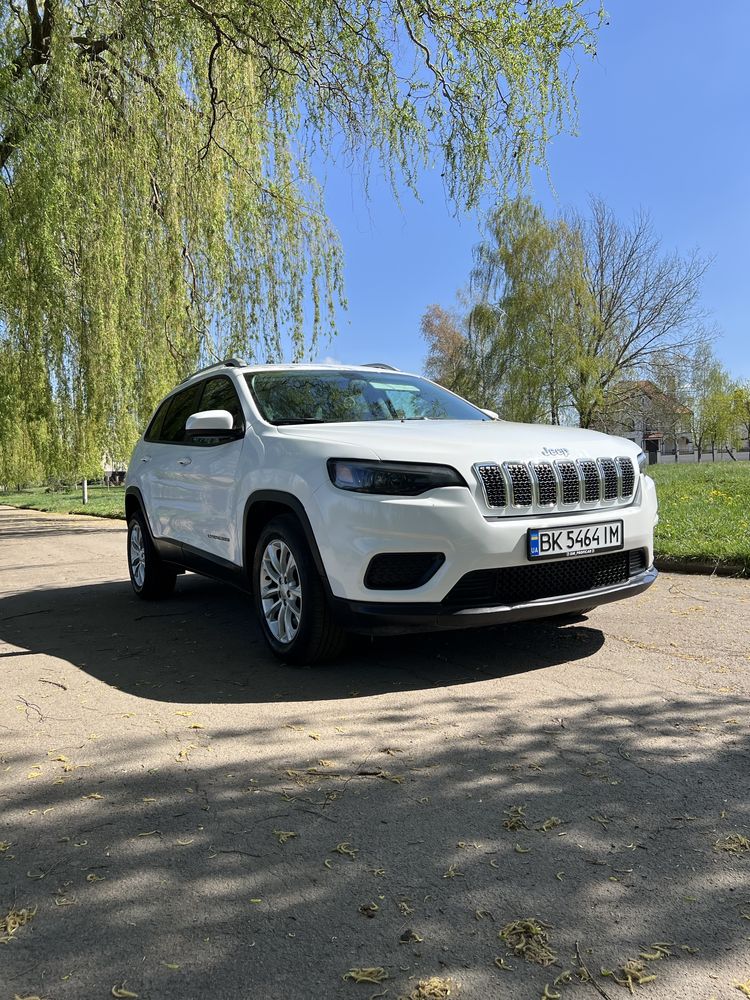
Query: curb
pixel 674 564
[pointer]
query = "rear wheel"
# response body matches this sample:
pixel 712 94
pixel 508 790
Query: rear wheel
pixel 292 608
pixel 150 576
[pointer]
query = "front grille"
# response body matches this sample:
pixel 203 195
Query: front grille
pixel 534 582
pixel 564 483
pixel 546 483
pixel 402 570
pixel 609 471
pixel 520 482
pixel 591 482
pixel 627 474
pixel 494 484
pixel 571 486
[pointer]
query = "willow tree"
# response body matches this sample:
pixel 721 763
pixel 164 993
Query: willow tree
pixel 159 204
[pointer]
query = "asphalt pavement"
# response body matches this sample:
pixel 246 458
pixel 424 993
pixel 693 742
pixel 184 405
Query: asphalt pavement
pixel 183 817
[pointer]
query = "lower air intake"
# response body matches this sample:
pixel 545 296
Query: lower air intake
pixel 534 582
pixel 402 570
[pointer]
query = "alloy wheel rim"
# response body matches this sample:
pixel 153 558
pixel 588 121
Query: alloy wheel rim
pixel 280 591
pixel 137 555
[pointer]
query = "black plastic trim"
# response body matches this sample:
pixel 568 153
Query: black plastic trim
pixel 381 618
pixel 222 436
pixel 208 564
pixel 434 561
pixel 295 505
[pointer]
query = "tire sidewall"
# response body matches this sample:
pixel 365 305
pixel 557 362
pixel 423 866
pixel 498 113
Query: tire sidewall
pixel 286 530
pixel 138 519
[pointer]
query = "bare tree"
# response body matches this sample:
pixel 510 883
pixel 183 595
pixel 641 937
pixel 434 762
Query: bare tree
pixel 639 301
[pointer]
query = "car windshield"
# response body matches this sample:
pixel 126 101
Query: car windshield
pixel 324 397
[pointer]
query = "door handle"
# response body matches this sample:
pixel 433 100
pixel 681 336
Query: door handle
pixel 146 458
pixel 185 461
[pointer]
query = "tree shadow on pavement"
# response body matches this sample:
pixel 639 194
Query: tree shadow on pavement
pixel 36 525
pixel 153 849
pixel 204 644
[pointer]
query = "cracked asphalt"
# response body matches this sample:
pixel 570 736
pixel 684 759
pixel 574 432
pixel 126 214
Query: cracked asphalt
pixel 172 799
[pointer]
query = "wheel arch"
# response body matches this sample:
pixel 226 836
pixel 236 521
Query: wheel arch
pixel 133 501
pixel 261 507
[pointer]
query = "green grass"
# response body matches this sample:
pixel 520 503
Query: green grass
pixel 704 512
pixel 103 502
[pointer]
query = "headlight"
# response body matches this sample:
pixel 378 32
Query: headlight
pixel 642 461
pixel 403 479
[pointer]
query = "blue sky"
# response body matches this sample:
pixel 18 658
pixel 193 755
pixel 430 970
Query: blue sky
pixel 663 125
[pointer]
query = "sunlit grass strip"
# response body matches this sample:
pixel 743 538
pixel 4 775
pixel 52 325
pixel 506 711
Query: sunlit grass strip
pixel 704 513
pixel 103 501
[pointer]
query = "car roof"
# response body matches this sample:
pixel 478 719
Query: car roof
pixel 241 369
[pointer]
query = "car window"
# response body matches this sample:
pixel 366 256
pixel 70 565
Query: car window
pixel 220 394
pixel 334 397
pixel 153 432
pixel 181 405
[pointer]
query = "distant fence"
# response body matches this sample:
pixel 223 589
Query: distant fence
pixel 706 456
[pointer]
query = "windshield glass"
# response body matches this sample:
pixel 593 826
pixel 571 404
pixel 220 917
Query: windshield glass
pixel 304 397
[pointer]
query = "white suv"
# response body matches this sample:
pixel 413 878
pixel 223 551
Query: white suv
pixel 364 499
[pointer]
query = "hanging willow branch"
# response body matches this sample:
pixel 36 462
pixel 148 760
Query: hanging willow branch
pixel 159 206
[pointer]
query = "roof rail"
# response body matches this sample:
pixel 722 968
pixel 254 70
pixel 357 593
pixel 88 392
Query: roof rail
pixel 380 364
pixel 226 363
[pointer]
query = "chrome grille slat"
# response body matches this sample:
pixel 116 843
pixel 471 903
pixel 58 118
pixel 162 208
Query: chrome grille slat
pixel 546 483
pixel 592 486
pixel 571 484
pixel 521 494
pixel 610 479
pixel 627 477
pixel 493 483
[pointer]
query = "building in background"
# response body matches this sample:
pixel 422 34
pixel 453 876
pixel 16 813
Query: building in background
pixel 652 418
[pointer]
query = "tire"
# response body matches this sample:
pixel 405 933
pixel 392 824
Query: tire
pixel 150 576
pixel 290 600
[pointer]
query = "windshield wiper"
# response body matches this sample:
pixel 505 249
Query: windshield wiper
pixel 298 420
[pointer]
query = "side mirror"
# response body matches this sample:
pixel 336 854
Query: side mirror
pixel 211 423
pixel 490 413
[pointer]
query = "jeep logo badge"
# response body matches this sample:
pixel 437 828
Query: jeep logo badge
pixel 552 452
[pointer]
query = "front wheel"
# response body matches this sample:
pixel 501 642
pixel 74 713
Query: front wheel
pixel 292 608
pixel 150 576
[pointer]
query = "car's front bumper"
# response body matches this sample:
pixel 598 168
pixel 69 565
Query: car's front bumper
pixel 377 617
pixel 351 529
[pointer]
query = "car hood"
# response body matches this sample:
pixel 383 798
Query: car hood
pixel 461 443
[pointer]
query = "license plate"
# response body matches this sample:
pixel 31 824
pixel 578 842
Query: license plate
pixel 578 540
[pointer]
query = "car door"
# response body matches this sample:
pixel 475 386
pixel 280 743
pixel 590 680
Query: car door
pixel 204 478
pixel 162 455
